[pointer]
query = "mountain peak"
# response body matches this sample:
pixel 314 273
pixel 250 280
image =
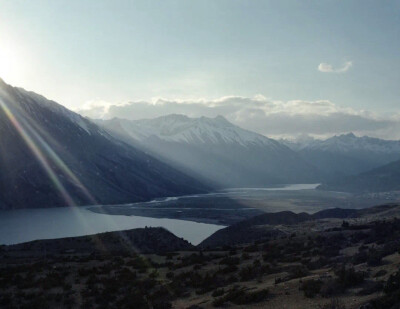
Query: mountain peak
pixel 181 117
pixel 349 135
pixel 202 130
pixel 221 119
pixel 178 117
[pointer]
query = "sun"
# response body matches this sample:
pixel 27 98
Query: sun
pixel 11 67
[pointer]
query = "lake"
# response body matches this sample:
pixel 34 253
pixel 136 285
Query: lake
pixel 24 225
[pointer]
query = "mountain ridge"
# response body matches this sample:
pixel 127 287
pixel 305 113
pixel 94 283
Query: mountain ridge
pixel 51 156
pixel 347 154
pixel 172 128
pixel 215 150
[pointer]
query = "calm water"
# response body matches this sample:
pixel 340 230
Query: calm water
pixel 23 225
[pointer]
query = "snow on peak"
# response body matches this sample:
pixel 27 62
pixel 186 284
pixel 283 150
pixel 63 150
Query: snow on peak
pixel 346 143
pixel 183 129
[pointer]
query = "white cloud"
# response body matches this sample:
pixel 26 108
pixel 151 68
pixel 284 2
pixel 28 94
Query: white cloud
pixel 260 114
pixel 328 68
pixel 96 109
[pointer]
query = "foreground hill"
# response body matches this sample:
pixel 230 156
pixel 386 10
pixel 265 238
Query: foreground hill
pixel 262 227
pixel 269 225
pixel 382 179
pixel 315 264
pixel 346 154
pixel 144 240
pixel 215 150
pixel 50 156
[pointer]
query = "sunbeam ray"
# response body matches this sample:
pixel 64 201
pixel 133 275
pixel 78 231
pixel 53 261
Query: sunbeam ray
pixel 37 153
pixel 35 142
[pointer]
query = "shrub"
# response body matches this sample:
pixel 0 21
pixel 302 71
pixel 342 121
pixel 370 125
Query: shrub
pixel 230 261
pixel 349 277
pixel 330 288
pixel 374 258
pixel 380 273
pixel 218 292
pixel 311 287
pixel 393 283
pixel 218 302
pixel 298 272
pixel 239 296
pixel 371 287
pixel 334 304
pixel 251 297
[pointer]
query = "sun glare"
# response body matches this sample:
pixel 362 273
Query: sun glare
pixel 10 63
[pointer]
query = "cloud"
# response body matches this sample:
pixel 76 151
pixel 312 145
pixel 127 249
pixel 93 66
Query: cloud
pixel 269 117
pixel 328 68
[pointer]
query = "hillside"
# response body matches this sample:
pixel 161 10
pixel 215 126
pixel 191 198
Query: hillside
pixel 147 240
pixel 50 156
pixel 382 179
pixel 316 264
pixel 267 225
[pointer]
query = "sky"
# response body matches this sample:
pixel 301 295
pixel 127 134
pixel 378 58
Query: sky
pixel 276 67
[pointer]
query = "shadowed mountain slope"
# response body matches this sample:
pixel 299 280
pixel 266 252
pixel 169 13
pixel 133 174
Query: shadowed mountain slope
pixel 50 156
pixel 382 179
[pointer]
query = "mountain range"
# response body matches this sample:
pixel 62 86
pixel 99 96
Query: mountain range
pixel 51 156
pixel 215 150
pixel 344 155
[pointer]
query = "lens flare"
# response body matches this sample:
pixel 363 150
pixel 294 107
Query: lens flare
pixel 37 153
pixel 33 140
pixel 37 139
pixel 60 164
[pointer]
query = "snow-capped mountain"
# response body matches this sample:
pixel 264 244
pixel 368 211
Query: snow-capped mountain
pixel 215 150
pixel 347 154
pixel 300 142
pixel 50 156
pixel 182 129
pixel 348 143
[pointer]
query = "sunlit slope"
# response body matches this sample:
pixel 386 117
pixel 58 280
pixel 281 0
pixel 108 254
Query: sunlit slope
pixel 216 150
pixel 50 156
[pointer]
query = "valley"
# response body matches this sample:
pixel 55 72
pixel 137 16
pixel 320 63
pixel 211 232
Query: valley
pixel 229 206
